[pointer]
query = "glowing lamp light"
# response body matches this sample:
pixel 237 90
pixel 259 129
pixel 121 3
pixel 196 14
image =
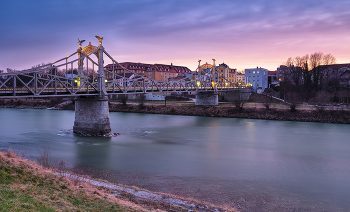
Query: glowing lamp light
pixel 105 80
pixel 198 83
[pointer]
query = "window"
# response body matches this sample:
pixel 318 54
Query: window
pixel 257 72
pixel 253 72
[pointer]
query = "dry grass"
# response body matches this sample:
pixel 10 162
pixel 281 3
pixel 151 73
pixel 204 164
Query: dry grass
pixel 25 185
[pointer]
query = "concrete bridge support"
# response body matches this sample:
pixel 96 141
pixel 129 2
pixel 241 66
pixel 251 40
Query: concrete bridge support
pixel 91 116
pixel 207 98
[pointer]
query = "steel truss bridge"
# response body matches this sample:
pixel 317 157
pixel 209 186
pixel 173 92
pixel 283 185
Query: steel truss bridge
pixel 47 81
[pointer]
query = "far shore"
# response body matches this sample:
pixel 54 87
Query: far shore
pixel 250 110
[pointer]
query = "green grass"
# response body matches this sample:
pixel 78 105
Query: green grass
pixel 26 186
pixel 23 188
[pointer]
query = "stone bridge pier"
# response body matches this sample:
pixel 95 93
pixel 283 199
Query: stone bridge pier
pixel 91 116
pixel 207 98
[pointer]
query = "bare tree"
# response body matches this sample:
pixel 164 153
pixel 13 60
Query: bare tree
pixel 322 98
pixel 316 60
pixel 290 62
pixel 91 73
pixel 308 71
pixel 292 71
pixel 292 98
pixel 10 70
pixel 42 65
pixel 298 71
pixel 307 82
pixel 267 100
pixel 328 59
pixel 61 72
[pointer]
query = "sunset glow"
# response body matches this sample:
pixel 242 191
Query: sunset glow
pixel 243 34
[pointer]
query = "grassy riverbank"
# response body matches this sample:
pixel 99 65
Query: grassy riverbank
pixel 26 186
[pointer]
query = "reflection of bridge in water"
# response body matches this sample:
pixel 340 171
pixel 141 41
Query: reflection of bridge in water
pixel 91 89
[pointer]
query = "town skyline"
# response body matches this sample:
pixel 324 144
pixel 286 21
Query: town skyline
pixel 240 34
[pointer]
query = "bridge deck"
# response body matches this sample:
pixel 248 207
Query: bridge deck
pixel 52 92
pixel 48 81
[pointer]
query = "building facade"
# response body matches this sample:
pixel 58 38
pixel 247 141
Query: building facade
pixel 158 72
pixel 273 80
pixel 223 73
pixel 240 78
pixel 257 78
pixel 226 74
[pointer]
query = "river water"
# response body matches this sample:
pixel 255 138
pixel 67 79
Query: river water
pixel 253 165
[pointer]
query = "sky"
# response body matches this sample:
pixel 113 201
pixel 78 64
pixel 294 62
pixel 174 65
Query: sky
pixel 242 34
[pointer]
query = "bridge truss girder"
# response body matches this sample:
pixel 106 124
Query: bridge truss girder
pixel 44 81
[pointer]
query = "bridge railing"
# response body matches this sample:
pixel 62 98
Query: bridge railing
pixel 45 80
pixel 45 84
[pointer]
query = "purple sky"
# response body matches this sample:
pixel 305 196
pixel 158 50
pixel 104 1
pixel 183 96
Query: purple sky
pixel 243 34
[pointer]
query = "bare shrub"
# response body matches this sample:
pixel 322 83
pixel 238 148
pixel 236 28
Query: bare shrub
pixel 123 99
pixel 44 158
pixel 322 99
pixel 55 101
pixel 61 166
pixel 239 104
pixel 10 153
pixel 172 111
pixel 18 103
pixel 292 98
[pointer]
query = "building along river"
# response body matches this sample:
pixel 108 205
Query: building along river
pixel 249 164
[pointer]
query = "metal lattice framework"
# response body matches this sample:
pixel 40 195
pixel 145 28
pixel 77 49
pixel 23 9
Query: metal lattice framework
pixel 46 81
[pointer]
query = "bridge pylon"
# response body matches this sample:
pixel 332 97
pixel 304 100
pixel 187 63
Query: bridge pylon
pixel 100 76
pixel 92 113
pixel 91 116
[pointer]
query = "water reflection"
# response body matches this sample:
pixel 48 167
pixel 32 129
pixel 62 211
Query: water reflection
pixel 93 152
pixel 301 164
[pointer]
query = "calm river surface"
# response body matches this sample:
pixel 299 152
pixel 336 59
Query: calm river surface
pixel 253 165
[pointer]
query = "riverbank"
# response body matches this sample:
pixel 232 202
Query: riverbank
pixel 24 185
pixel 323 116
pixel 282 113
